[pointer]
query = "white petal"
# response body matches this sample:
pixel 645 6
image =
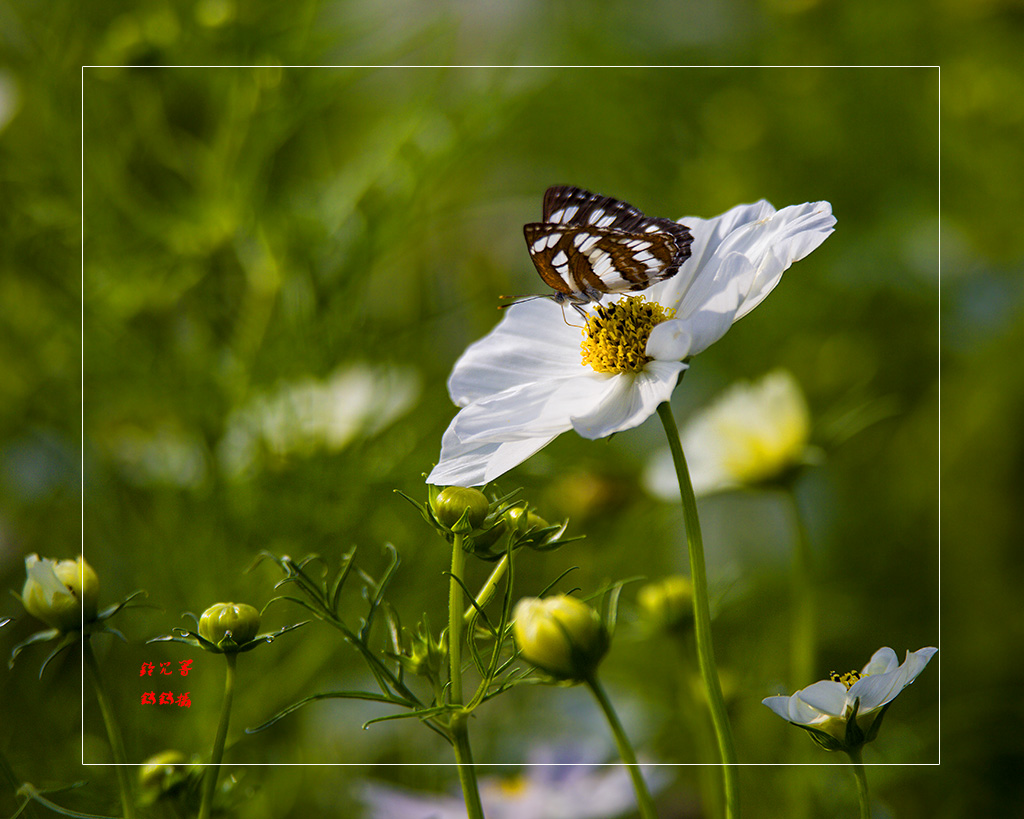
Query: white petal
pixel 708 235
pixel 531 342
pixel 541 409
pixel 780 705
pixel 878 689
pixel 477 464
pixel 711 306
pixel 631 401
pixel 882 662
pixel 825 696
pixel 773 244
pixel 670 341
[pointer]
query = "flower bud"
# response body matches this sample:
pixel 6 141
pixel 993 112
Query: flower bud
pixel 426 655
pixel 61 592
pixel 668 603
pixel 461 509
pixel 237 622
pixel 523 520
pixel 560 635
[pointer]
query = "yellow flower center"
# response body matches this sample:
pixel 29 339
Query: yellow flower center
pixel 512 786
pixel 847 679
pixel 615 336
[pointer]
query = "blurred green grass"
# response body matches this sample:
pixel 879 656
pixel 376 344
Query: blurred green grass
pixel 248 230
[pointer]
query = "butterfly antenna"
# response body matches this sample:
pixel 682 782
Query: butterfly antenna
pixel 519 299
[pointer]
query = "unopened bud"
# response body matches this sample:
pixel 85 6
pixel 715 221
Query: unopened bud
pixel 60 593
pixel 461 509
pixel 237 622
pixel 560 635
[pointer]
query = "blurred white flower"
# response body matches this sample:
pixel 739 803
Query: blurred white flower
pixel 166 456
pixel 547 789
pixel 846 710
pixel 530 379
pixel 753 432
pixel 303 417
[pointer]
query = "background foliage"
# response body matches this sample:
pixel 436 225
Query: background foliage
pixel 282 264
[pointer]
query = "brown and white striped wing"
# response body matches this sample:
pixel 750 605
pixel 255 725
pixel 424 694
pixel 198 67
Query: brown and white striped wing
pixel 588 262
pixel 589 245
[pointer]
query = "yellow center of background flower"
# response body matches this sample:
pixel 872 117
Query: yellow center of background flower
pixel 513 786
pixel 847 679
pixel 615 336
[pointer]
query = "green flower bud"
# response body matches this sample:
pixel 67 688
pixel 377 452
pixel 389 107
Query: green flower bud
pixel 523 520
pixel 461 509
pixel 668 603
pixel 560 635
pixel 237 622
pixel 60 592
pixel 426 655
pixel 161 774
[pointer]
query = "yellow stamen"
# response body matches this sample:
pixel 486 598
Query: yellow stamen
pixel 615 337
pixel 847 679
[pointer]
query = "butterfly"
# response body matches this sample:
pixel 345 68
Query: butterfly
pixel 590 245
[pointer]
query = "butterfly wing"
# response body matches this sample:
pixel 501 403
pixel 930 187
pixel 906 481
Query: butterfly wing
pixel 589 245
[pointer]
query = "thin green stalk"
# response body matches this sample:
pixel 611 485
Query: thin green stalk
pixel 643 795
pixel 702 616
pixel 458 726
pixel 862 782
pixel 217 755
pixel 487 590
pixel 113 730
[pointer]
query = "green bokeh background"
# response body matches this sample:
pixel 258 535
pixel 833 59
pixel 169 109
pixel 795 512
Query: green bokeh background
pixel 247 230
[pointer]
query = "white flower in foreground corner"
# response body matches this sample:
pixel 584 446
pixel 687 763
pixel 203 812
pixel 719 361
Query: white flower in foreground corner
pixel 845 711
pixel 752 433
pixel 532 379
pixel 554 786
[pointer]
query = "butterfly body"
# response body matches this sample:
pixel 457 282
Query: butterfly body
pixel 589 246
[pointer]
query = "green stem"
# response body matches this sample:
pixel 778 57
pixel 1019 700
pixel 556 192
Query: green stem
pixel 217 755
pixel 862 782
pixel 458 726
pixel 487 590
pixel 643 795
pixel 113 730
pixel 702 616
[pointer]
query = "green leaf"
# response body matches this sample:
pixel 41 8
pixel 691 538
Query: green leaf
pixel 368 696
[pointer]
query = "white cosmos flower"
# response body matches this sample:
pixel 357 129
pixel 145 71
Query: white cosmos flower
pixel 846 710
pixel 753 432
pixel 528 381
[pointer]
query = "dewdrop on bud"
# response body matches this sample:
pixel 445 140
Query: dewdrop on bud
pixel 560 635
pixel 461 509
pixel 237 622
pixel 60 593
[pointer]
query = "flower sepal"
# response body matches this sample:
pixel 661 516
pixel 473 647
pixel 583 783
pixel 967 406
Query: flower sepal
pixel 853 737
pixel 225 640
pixel 426 655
